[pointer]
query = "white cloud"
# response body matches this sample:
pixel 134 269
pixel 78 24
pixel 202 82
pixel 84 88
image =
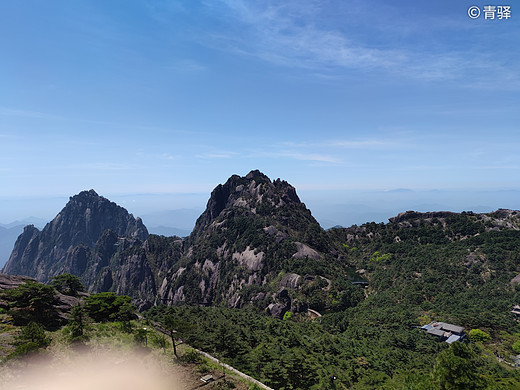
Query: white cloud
pixel 167 156
pixel 101 166
pixel 5 111
pixel 309 157
pixel 279 39
pixel 289 34
pixel 187 66
pixel 349 144
pixel 217 155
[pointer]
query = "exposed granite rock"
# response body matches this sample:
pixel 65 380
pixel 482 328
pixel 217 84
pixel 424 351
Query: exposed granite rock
pixel 282 305
pixel 278 309
pixel 250 227
pixel 304 251
pixel 250 259
pixel 516 279
pixel 8 282
pixel 82 222
pixel 290 281
pixel 83 239
pixel 248 192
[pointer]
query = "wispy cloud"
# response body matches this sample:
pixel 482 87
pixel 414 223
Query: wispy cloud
pixel 290 34
pixel 169 157
pixel 499 167
pixel 280 39
pixel 104 166
pixel 217 155
pixel 348 144
pixel 324 158
pixel 187 66
pixel 370 143
pixel 5 111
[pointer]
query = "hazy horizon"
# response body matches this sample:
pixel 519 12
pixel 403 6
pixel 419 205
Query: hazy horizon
pixel 330 208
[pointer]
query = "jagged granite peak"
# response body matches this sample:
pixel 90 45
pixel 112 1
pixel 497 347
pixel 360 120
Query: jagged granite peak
pixel 83 220
pixel 252 230
pixel 254 192
pixel 89 215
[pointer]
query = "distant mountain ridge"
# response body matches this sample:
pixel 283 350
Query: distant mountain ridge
pixel 251 227
pixel 256 244
pixel 180 220
pixel 10 231
pixel 38 222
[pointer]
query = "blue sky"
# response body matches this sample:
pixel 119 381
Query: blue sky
pixel 153 103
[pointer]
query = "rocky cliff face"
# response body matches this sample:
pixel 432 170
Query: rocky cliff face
pixel 252 231
pixel 81 223
pixel 255 193
pixel 81 239
pixel 255 244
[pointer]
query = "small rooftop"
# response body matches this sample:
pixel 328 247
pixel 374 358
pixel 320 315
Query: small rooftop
pixel 453 338
pixel 207 378
pixel 436 332
pixel 444 330
pixel 451 328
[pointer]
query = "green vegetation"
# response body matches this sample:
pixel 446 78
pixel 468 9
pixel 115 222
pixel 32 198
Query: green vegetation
pixel 175 327
pixel 101 333
pixel 455 369
pixel 32 302
pixel 108 337
pixel 456 268
pixel 78 325
pixel 67 284
pixel 108 306
pixel 30 339
pixel 478 335
pixel 449 268
pixel 378 348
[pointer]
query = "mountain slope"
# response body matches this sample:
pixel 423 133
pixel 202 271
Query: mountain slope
pixel 460 267
pixel 81 239
pixel 254 242
pixel 421 267
pixel 8 237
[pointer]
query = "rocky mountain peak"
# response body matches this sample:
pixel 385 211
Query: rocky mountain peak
pixel 86 193
pixel 252 229
pixel 82 221
pixel 256 174
pixel 254 192
pixel 88 215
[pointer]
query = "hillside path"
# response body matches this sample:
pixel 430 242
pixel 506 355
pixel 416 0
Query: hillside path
pixel 225 365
